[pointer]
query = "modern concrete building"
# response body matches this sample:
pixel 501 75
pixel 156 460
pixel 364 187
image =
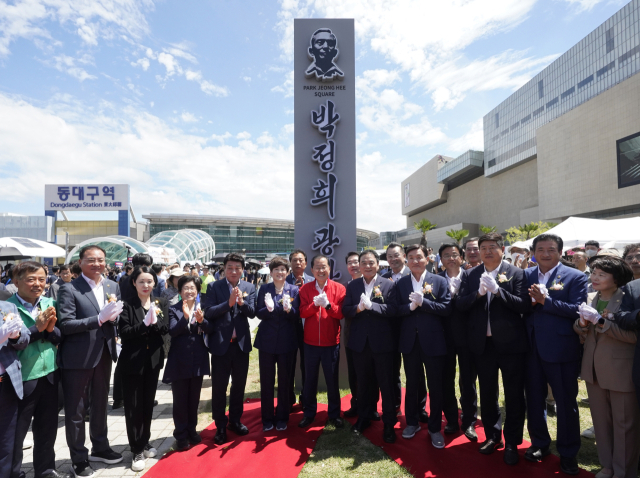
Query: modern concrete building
pixel 256 237
pixel 567 143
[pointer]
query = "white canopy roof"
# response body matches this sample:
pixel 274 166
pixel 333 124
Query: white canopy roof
pixel 32 247
pixel 614 233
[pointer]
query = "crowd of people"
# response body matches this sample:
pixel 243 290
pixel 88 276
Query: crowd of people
pixel 538 317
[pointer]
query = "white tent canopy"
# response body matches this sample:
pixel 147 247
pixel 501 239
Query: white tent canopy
pixel 32 247
pixel 611 233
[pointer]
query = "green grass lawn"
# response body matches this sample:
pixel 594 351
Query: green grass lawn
pixel 338 453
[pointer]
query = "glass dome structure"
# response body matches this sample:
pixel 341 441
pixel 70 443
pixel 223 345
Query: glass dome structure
pixel 189 245
pixel 184 245
pixel 118 248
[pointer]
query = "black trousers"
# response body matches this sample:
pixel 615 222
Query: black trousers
pixel 513 368
pixel 186 398
pixel 9 402
pixel 467 383
pixel 353 382
pixel 41 405
pixel 117 383
pixel 268 364
pixel 292 374
pixel 329 357
pixel 375 370
pixel 78 385
pixel 234 364
pixel 434 366
pixel 139 395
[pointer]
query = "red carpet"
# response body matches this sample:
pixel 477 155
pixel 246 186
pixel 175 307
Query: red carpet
pixel 264 455
pixel 460 457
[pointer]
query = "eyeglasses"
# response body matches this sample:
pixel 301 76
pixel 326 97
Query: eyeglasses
pixel 632 258
pixel 452 256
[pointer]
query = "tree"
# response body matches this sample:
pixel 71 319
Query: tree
pixel 527 231
pixel 488 229
pixel 457 235
pixel 424 226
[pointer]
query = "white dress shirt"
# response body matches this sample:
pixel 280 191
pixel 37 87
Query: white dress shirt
pixel 30 308
pixel 417 285
pixel 97 289
pixel 368 288
pixel 233 334
pixel 544 278
pixel 494 274
pixel 398 276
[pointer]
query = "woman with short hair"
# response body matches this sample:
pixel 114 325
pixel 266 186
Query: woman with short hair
pixel 188 361
pixel 606 368
pixel 277 307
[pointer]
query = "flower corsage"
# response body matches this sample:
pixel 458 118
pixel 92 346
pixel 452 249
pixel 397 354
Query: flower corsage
pixel 377 293
pixel 428 289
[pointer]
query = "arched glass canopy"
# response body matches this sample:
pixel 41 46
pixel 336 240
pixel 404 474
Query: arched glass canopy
pixel 118 248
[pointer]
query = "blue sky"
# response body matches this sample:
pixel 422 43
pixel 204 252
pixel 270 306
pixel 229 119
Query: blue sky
pixel 191 102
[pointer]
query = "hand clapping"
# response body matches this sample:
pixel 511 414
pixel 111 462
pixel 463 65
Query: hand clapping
pixel 538 292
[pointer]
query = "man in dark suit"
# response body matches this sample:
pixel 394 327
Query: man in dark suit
pixel 229 304
pixel 370 303
pixel 628 318
pixel 424 303
pixel 298 277
pixel 494 295
pixel 39 371
pixel 556 291
pixel 397 270
pixel 162 284
pixel 88 307
pixel 457 345
pixel 13 336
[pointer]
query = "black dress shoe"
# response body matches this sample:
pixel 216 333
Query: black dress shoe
pixel 56 474
pixel 117 404
pixel 221 437
pixel 489 446
pixel 569 465
pixel 238 428
pixel 352 412
pixel 360 426
pixel 536 454
pixel 423 416
pixel 375 416
pixel 398 411
pixel 511 456
pixel 336 422
pixel 195 439
pixel 451 428
pixel 470 433
pixel 389 434
pixel 305 422
pixel 182 445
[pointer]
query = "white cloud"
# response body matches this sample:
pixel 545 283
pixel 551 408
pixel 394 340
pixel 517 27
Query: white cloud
pixel 221 137
pixel 472 139
pixel 91 20
pixel 142 62
pixel 584 5
pixel 426 39
pixel 188 117
pixel 243 135
pixel 285 88
pixel 67 64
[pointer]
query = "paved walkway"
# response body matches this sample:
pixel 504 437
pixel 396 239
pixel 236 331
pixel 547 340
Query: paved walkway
pixel 161 436
pixel 161 432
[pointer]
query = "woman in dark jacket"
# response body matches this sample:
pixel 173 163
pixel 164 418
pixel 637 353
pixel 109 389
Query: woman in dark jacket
pixel 143 322
pixel 188 361
pixel 276 339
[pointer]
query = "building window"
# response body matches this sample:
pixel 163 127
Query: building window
pixel 497 120
pixel 610 40
pixel 628 160
pixel 541 89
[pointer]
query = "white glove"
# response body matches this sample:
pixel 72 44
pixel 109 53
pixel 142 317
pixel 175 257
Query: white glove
pixel 413 306
pixel 454 285
pixel 490 283
pixel 361 306
pixel 286 302
pixel 588 313
pixel 10 329
pixel 110 312
pixel 416 298
pixel 321 300
pixel 268 301
pixel 543 289
pixel 367 303
pixel 192 320
pixel 483 288
pixel 151 317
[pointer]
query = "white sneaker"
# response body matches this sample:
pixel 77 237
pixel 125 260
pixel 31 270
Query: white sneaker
pixel 26 444
pixel 588 433
pixel 138 463
pixel 149 451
